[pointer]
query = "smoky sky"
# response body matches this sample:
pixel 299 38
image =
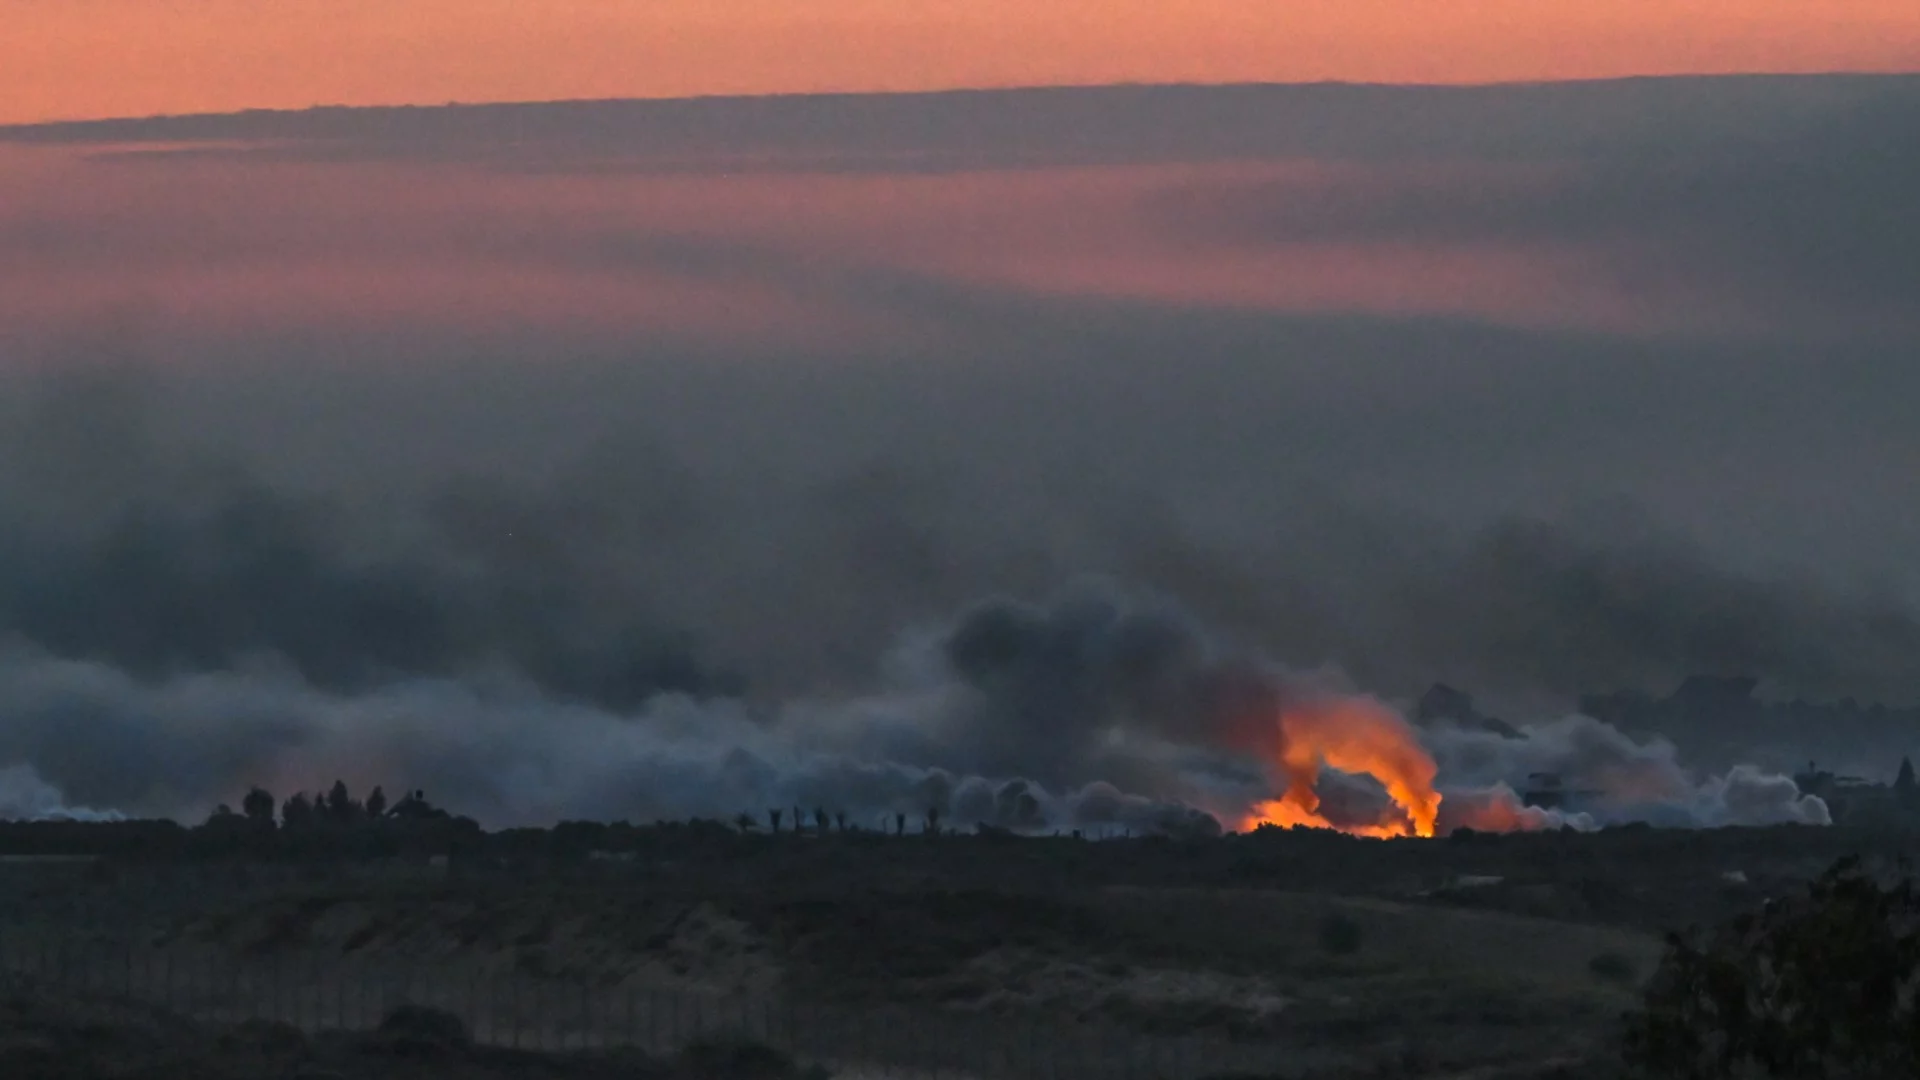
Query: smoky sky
pixel 354 511
pixel 1797 214
pixel 636 563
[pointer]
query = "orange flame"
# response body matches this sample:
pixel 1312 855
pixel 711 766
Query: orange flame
pixel 1353 736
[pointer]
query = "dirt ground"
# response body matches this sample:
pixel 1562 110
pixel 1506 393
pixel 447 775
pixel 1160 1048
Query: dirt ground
pixel 45 1036
pixel 1308 957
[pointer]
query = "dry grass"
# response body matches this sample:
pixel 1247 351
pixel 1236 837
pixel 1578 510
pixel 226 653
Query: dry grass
pixel 1416 989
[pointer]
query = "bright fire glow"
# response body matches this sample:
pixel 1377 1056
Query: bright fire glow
pixel 1362 738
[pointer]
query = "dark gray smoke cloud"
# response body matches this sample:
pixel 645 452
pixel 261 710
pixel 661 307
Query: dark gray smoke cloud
pixel 1575 610
pixel 934 735
pixel 1803 215
pixel 643 564
pixel 159 563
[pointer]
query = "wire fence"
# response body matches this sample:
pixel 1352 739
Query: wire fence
pixel 318 993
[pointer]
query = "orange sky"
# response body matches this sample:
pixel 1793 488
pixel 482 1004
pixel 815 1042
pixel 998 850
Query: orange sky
pixel 88 58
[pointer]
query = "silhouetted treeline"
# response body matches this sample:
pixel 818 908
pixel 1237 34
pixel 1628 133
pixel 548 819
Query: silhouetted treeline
pixel 333 823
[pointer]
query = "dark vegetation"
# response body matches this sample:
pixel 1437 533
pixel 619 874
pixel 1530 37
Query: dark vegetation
pixel 1814 987
pixel 741 1059
pixel 1816 982
pixel 1340 935
pixel 1613 967
pixel 1635 875
pixel 43 1037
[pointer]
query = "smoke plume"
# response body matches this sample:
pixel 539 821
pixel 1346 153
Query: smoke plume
pixel 26 797
pixel 1101 707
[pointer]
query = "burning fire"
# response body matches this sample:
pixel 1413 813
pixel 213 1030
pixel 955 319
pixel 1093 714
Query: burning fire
pixel 1360 737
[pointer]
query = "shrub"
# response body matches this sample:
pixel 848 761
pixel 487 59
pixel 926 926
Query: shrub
pixel 739 1058
pixel 1824 987
pixel 1339 935
pixel 270 1037
pixel 420 1031
pixel 1613 967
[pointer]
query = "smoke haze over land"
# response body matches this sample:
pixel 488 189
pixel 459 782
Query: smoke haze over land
pixel 600 474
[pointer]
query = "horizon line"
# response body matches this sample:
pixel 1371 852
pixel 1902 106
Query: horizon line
pixel 980 91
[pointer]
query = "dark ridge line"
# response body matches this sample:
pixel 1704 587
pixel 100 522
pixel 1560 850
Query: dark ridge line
pixel 32 132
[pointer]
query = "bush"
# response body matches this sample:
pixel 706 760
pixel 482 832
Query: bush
pixel 740 1059
pixel 1613 967
pixel 1339 935
pixel 420 1031
pixel 1818 989
pixel 270 1037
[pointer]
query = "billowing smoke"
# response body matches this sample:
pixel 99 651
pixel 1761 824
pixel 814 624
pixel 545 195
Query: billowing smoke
pixel 1607 778
pixel 24 796
pixel 1101 708
pixel 1094 711
pixel 609 536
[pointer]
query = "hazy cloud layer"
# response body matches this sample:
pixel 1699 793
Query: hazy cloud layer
pixel 1808 219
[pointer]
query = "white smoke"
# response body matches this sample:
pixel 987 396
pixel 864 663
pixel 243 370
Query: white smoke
pixel 1748 796
pixel 1615 778
pixel 24 796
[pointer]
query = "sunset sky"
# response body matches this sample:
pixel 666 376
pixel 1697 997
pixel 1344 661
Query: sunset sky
pixel 94 58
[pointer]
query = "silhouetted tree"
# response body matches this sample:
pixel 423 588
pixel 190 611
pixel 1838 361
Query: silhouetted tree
pixel 900 824
pixel 1815 989
pixel 820 821
pixel 376 803
pixel 745 823
pixel 773 817
pixel 297 811
pixel 840 820
pixel 933 820
pixel 414 806
pixel 341 809
pixel 258 806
